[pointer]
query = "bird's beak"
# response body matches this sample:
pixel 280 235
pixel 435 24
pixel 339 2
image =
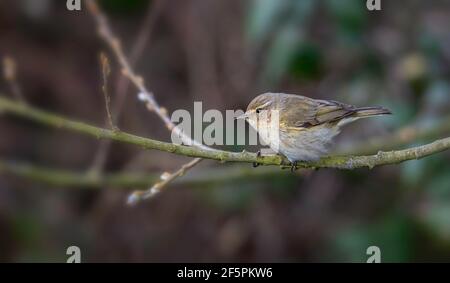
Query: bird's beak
pixel 243 116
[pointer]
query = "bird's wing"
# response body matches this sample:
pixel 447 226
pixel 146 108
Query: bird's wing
pixel 304 112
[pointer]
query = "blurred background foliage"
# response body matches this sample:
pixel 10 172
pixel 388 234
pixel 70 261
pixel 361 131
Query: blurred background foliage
pixel 224 53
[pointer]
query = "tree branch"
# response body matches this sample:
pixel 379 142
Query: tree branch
pixel 137 196
pixel 340 162
pixel 71 179
pixel 404 136
pixel 122 84
pixel 145 95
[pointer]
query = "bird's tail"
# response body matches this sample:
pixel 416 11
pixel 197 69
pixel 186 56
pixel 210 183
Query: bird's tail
pixel 371 111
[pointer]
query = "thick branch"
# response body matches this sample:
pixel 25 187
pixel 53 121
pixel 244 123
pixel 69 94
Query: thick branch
pixel 341 162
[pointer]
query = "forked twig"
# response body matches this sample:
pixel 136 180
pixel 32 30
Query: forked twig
pixel 144 95
pixel 122 85
pixel 166 178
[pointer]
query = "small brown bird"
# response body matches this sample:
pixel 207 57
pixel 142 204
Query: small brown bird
pixel 299 127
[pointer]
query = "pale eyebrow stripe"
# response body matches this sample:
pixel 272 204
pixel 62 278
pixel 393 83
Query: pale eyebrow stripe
pixel 265 104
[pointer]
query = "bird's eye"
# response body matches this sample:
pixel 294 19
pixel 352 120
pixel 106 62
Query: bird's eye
pixel 258 110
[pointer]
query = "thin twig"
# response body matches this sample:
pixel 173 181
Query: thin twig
pixel 145 95
pixel 122 84
pixel 166 178
pixel 10 76
pixel 404 136
pixel 338 162
pixel 106 70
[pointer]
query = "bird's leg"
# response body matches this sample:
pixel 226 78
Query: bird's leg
pixel 258 154
pixel 293 166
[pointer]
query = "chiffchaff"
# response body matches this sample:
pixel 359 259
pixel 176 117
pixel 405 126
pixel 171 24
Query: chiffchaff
pixel 299 127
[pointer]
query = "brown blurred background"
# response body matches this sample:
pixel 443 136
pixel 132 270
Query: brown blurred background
pixel 223 53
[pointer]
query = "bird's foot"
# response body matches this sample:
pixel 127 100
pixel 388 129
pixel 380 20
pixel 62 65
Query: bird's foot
pixel 258 154
pixel 293 166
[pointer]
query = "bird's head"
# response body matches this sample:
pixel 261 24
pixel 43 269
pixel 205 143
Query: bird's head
pixel 264 102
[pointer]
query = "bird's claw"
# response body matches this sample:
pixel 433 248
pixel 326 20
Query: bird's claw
pixel 293 166
pixel 258 154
